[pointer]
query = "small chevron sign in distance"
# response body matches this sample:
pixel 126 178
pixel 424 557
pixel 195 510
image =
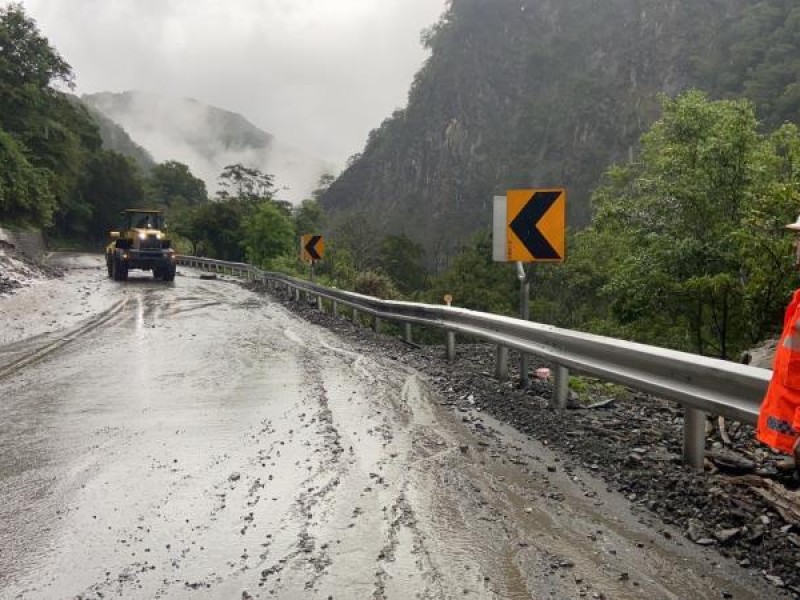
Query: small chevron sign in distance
pixel 536 223
pixel 312 248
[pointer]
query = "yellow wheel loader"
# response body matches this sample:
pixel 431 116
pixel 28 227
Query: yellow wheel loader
pixel 140 243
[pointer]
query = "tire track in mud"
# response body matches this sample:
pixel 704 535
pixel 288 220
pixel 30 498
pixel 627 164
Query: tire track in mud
pixel 400 527
pixel 330 469
pixel 428 447
pixel 31 357
pixel 401 394
pixel 415 448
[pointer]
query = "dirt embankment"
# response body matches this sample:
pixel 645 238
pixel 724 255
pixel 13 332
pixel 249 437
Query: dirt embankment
pixel 742 504
pixel 22 259
pixel 18 270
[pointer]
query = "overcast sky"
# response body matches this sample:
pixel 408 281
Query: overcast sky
pixel 318 74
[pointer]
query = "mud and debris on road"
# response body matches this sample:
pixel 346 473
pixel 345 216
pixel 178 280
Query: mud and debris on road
pixel 744 506
pixel 202 441
pixel 18 270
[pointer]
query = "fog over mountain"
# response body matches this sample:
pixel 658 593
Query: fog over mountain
pixel 208 138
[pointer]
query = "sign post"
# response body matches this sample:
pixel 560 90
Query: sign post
pixel 529 226
pixel 525 315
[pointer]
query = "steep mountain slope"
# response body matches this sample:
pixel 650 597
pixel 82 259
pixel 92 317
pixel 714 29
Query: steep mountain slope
pixel 207 139
pixel 117 139
pixel 543 93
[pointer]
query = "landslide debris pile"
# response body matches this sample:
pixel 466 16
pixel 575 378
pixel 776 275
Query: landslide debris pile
pixel 18 270
pixel 743 504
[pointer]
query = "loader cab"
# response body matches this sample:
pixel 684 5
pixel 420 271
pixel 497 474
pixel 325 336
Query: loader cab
pixel 141 219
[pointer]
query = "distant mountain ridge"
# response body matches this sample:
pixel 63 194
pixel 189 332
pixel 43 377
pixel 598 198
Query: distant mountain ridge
pixel 207 139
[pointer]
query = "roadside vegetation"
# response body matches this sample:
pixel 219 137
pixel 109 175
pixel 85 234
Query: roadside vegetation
pixel 686 249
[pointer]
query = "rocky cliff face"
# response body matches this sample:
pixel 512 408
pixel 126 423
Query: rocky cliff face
pixel 529 93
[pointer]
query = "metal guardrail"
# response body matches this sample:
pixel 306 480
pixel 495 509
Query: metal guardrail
pixel 702 385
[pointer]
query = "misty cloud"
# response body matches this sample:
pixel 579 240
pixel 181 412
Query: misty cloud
pixel 318 74
pixel 207 139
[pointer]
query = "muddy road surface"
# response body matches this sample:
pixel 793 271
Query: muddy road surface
pixel 197 440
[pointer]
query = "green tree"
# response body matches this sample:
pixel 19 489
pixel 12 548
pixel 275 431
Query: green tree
pixel 190 225
pixel 172 184
pixel 404 261
pixel 475 281
pixel 355 234
pixel 25 194
pixel 229 227
pixel 700 213
pixel 308 218
pixel 220 224
pixel 26 58
pixel 268 234
pixel 112 182
pixel 51 132
pixel 376 284
pixel 245 184
pixel 324 182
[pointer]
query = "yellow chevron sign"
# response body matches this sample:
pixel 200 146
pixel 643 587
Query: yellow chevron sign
pixel 312 248
pixel 536 225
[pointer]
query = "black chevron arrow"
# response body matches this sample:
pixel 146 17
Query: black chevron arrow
pixel 525 225
pixel 311 247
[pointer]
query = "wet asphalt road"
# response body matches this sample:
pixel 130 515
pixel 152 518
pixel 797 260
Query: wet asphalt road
pixel 196 440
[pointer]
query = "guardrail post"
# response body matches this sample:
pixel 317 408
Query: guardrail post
pixel 355 316
pixel 451 346
pixel 407 332
pixel 319 304
pixel 524 367
pixel 335 308
pixel 297 294
pixel 376 324
pixel 501 363
pixel 561 387
pixel 694 438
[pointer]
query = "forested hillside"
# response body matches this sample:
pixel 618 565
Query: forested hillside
pixel 115 138
pixel 550 93
pixel 67 169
